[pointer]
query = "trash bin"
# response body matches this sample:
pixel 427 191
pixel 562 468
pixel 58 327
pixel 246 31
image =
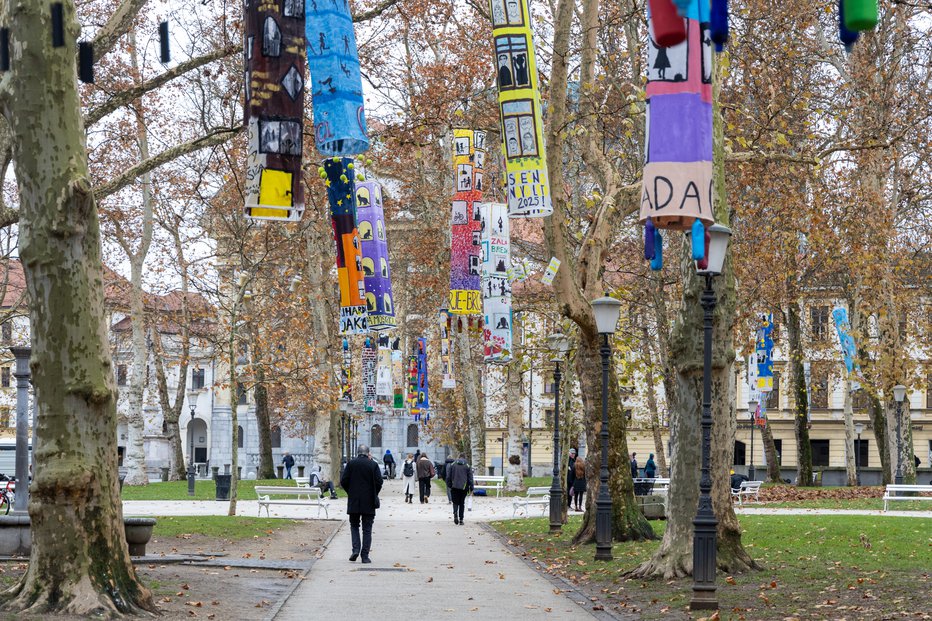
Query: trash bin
pixel 223 486
pixel 164 475
pixel 214 471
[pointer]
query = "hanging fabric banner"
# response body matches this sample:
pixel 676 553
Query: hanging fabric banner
pixel 383 371
pixel 274 113
pixel 446 351
pixel 341 193
pixel 380 307
pixel 849 351
pixel 412 385
pixel 423 396
pixel 496 284
pixel 369 359
pixel 520 109
pixel 677 183
pixel 346 373
pixel 336 86
pixel 468 164
pixel 753 392
pixel 764 353
pixel 398 391
pixel 551 272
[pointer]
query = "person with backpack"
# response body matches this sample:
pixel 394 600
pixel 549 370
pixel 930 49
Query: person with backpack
pixel 425 472
pixel 389 461
pixel 460 483
pixel 407 478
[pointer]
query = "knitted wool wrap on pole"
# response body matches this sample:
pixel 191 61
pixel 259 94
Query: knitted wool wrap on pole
pixel 346 372
pixel 422 405
pixel 677 185
pixel 369 360
pixel 465 256
pixel 274 111
pixel 383 369
pixel 341 193
pixel 370 217
pixel 520 110
pixel 446 349
pixel 336 86
pixel 496 285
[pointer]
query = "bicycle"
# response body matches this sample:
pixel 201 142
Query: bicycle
pixel 7 498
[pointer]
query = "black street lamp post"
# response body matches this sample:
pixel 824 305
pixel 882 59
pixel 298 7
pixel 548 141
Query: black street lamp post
pixel 559 346
pixel 858 429
pixel 705 524
pixel 606 311
pixel 192 404
pixel 899 393
pixel 752 409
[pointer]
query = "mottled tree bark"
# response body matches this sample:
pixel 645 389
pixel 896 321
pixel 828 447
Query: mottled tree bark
pixel 652 403
pixel 472 389
pixel 770 450
pixel 514 420
pixel 801 394
pixel 79 562
pixel 261 393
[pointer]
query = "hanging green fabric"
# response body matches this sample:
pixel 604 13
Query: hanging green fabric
pixel 860 15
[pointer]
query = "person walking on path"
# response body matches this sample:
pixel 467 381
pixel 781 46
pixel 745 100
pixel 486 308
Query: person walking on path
pixel 570 475
pixel 459 483
pixel 445 469
pixel 389 461
pixel 288 460
pixel 579 482
pixel 650 468
pixel 425 472
pixel 407 478
pixel 634 465
pixel 362 481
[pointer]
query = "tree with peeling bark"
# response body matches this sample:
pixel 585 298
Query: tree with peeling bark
pixel 79 562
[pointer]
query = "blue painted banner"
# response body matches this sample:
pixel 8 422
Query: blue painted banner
pixel 764 353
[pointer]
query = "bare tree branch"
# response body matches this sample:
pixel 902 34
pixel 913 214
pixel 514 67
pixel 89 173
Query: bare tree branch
pixel 374 11
pixel 118 25
pixel 124 97
pixel 213 138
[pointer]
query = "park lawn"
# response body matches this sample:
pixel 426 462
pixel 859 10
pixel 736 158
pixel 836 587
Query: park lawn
pixel 815 567
pixel 873 504
pixel 220 526
pixel 203 490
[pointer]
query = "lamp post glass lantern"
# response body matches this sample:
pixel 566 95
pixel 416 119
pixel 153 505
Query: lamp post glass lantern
pixel 705 524
pixel 192 404
pixel 606 311
pixel 899 394
pixel 559 345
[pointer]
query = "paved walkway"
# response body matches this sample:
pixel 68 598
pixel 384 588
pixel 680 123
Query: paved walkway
pixel 426 570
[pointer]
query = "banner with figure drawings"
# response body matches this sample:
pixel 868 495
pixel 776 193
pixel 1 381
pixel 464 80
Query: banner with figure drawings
pixel 677 182
pixel 336 86
pixel 422 406
pixel 465 256
pixel 446 350
pixel 369 360
pixel 274 112
pixel 849 352
pixel 383 370
pixel 520 110
pixel 342 196
pixel 763 351
pixel 496 284
pixel 380 307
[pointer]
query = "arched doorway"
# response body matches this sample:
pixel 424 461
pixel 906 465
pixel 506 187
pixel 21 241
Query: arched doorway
pixel 197 434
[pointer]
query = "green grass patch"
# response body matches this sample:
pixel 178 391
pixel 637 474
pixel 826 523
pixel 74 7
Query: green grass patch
pixel 815 567
pixel 872 504
pixel 203 490
pixel 222 526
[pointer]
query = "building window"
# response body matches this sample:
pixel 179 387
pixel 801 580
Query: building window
pixel 412 435
pixel 375 436
pixel 929 390
pixel 819 452
pixel 121 375
pixel 819 318
pixel 548 418
pixel 4 417
pixel 240 394
pixel 860 400
pixel 778 447
pixel 240 437
pixel 6 331
pixel 5 377
pixel 197 379
pixel 860 451
pixel 773 397
pixel 740 449
pixel 548 388
pixel 276 437
pixel 819 385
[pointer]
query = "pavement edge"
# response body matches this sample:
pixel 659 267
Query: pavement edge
pixel 566 587
pixel 299 579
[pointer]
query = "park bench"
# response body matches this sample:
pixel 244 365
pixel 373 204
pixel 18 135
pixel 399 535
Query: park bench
pixel 487 483
pixel 893 493
pixel 305 496
pixel 747 490
pixel 535 496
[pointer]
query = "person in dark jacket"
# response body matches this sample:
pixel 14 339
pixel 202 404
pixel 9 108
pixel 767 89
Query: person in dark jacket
pixel 459 483
pixel 362 481
pixel 288 460
pixel 579 482
pixel 425 472
pixel 389 461
pixel 634 465
pixel 650 468
pixel 443 470
pixel 570 475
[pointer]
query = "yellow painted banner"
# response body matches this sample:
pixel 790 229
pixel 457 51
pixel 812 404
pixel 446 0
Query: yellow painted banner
pixel 519 103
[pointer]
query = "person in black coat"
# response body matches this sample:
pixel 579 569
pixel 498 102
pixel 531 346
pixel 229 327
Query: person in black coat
pixel 570 476
pixel 362 481
pixel 460 483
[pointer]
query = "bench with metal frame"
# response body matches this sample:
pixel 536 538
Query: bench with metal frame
pixel 489 482
pixel 302 496
pixel 893 492
pixel 746 490
pixel 535 496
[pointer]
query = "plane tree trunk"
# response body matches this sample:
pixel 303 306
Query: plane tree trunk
pixel 79 562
